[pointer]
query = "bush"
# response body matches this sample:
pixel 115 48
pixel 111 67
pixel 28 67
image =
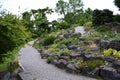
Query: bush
pixel 112 52
pixel 108 52
pixel 100 17
pixel 49 59
pixel 88 24
pixel 48 40
pixel 92 64
pixel 65 52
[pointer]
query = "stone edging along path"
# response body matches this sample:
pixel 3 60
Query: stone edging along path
pixel 35 68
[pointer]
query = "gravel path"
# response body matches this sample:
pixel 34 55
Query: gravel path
pixel 36 68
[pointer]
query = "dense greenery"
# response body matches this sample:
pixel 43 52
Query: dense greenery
pixel 15 31
pixel 12 33
pixel 36 21
pixel 117 3
pixel 100 17
pixel 73 12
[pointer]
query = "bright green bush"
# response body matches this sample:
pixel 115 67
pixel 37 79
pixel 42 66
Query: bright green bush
pixel 117 55
pixel 112 52
pixel 108 52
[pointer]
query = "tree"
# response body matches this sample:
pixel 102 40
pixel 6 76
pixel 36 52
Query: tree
pixel 12 33
pixel 36 21
pixel 100 17
pixel 61 7
pixel 75 6
pixel 117 3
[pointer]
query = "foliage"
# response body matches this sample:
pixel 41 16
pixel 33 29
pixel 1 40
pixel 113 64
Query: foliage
pixel 73 61
pixel 63 25
pixel 101 17
pixel 49 59
pixel 61 7
pixel 12 33
pixel 92 64
pixel 88 24
pixel 64 52
pixel 116 18
pixel 117 3
pixel 112 52
pixel 36 21
pixel 48 40
pixel 9 57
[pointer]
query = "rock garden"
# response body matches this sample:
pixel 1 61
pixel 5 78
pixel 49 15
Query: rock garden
pixel 91 54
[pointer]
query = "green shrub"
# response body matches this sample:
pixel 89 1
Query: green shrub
pixel 112 52
pixel 48 40
pixel 92 64
pixel 73 61
pixel 108 52
pixel 65 52
pixel 88 24
pixel 50 59
pixel 117 55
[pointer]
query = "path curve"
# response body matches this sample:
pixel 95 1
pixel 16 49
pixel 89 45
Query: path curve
pixel 36 68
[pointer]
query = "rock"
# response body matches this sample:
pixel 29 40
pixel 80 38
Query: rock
pixel 109 59
pixel 40 51
pixel 72 47
pixel 114 45
pixel 79 48
pixel 63 57
pixel 108 73
pixel 71 68
pixel 67 35
pixel 76 35
pixel 61 63
pixel 44 55
pixel 63 46
pixel 102 43
pixel 73 56
pixel 116 64
pixel 95 73
pixel 6 76
pixel 85 70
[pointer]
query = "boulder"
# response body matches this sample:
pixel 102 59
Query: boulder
pixel 6 76
pixel 95 73
pixel 102 43
pixel 67 35
pixel 44 55
pixel 61 63
pixel 116 64
pixel 72 47
pixel 108 73
pixel 71 68
pixel 85 70
pixel 73 55
pixel 109 59
pixel 114 45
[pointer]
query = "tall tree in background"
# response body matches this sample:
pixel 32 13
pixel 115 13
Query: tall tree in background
pixel 36 20
pixel 75 6
pixel 61 7
pixel 117 3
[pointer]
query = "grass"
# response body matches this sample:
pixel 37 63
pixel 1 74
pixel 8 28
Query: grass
pixel 92 64
pixel 12 56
